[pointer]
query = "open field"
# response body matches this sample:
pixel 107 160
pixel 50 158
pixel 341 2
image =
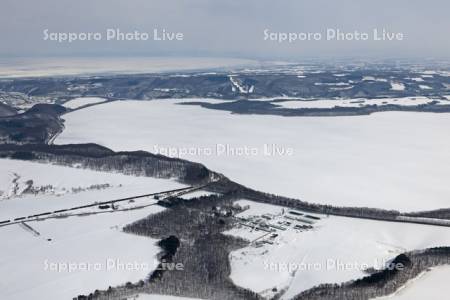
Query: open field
pixel 334 250
pixel 90 242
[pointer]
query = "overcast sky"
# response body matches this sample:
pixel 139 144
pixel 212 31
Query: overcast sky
pixel 226 28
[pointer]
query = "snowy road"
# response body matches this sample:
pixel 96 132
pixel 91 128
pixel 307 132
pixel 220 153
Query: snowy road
pixel 39 216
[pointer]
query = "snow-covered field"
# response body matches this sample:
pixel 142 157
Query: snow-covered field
pixel 337 249
pixel 433 283
pixel 397 86
pixel 392 160
pixel 196 194
pixel 375 79
pixel 60 180
pixel 93 245
pixel 79 102
pixel 34 261
pixel 406 101
pixel 158 297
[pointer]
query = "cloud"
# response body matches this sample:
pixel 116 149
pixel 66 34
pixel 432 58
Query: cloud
pixel 226 28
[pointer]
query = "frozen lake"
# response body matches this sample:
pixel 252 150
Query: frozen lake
pixel 392 160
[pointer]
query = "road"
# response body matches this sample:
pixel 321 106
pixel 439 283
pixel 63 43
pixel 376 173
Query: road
pixel 164 194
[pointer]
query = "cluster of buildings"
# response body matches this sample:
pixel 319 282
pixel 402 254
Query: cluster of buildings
pixel 271 225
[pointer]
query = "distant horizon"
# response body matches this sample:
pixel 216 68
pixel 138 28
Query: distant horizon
pixel 361 58
pixel 125 65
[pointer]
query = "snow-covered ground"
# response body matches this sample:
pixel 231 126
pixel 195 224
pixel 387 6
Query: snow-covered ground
pixel 332 83
pixel 33 267
pixel 196 194
pixel 416 79
pixel 432 284
pixel 236 85
pixel 397 86
pixel 158 297
pixel 392 160
pixel 405 101
pixel 337 249
pixel 371 78
pixel 79 102
pixel 60 180
pixel 34 261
